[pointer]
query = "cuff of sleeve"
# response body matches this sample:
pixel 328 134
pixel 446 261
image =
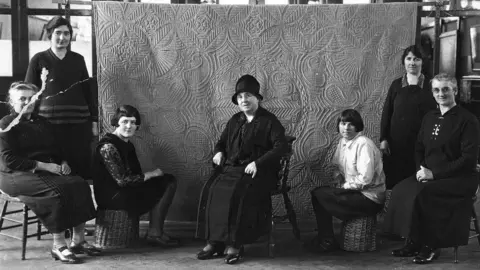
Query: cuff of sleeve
pixel 34 168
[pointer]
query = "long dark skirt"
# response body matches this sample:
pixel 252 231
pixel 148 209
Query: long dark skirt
pixel 140 199
pixel 235 209
pixel 401 162
pixel 76 141
pixel 435 213
pixel 60 202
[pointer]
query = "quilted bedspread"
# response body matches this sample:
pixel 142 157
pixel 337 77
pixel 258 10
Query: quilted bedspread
pixel 178 65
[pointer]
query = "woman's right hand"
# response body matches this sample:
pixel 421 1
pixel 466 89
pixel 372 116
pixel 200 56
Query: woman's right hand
pixel 385 148
pixel 50 167
pixel 217 159
pixel 152 174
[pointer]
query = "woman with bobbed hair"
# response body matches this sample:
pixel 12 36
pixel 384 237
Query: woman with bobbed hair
pixel 32 168
pixel 359 180
pixel 408 100
pixel 120 184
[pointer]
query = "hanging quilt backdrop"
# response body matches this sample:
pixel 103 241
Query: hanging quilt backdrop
pixel 178 64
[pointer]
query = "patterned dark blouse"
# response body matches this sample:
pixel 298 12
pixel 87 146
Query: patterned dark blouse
pixel 118 169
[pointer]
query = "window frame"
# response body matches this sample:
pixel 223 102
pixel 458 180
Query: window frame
pixel 19 13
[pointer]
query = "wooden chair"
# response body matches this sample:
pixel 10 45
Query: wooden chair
pixel 27 220
pixel 476 228
pixel 282 190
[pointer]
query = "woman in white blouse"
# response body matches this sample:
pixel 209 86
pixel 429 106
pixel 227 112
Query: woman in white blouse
pixel 359 179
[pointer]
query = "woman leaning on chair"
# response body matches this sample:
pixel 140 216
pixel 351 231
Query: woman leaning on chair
pixel 120 184
pixel 408 100
pixel 432 208
pixel 33 169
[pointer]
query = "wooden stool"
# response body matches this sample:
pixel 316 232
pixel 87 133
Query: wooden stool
pixel 115 229
pixel 359 234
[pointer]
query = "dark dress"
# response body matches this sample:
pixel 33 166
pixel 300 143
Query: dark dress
pixel 234 208
pixel 71 112
pixel 402 115
pixel 118 179
pixel 437 213
pixel 60 201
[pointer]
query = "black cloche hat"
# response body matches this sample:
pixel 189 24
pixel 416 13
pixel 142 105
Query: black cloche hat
pixel 247 83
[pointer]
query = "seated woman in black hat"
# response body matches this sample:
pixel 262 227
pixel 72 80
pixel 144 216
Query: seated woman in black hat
pixel 120 184
pixel 235 203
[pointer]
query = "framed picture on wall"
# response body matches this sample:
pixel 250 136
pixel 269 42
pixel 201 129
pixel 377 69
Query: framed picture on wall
pixel 448 52
pixel 475 46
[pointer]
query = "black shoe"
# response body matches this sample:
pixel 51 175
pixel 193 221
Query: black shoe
pixel 410 249
pixel 217 251
pixel 64 255
pixel 84 248
pixel 318 244
pixel 234 258
pixel 427 255
pixel 161 241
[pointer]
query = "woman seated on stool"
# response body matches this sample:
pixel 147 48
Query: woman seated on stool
pixel 120 184
pixel 432 208
pixel 33 170
pixel 235 204
pixel 360 182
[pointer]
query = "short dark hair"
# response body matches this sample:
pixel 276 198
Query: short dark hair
pixel 56 22
pixel 352 116
pixel 127 111
pixel 415 50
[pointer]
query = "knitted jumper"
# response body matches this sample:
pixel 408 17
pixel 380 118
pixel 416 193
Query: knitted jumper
pixel 77 105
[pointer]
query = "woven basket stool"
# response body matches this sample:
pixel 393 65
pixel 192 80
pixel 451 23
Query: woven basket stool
pixel 115 229
pixel 359 234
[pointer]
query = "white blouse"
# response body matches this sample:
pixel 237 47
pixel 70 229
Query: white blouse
pixel 359 161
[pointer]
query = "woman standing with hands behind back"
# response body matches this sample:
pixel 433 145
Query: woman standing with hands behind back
pixel 409 98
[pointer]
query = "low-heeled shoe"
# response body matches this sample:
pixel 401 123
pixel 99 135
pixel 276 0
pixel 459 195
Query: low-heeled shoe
pixel 318 244
pixel 84 248
pixel 427 255
pixel 64 257
pixel 216 252
pixel 410 249
pixel 160 241
pixel 235 258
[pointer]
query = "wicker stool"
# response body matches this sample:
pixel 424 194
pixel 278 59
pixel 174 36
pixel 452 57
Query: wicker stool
pixel 115 229
pixel 359 234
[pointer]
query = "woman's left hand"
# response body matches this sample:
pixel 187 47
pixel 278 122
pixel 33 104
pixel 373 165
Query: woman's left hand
pixel 95 129
pixel 424 174
pixel 65 170
pixel 251 169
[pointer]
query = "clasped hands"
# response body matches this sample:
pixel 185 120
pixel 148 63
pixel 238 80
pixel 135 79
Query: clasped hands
pixel 54 168
pixel 250 169
pixel 424 175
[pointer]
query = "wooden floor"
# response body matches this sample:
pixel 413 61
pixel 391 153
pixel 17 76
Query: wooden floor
pixel 290 255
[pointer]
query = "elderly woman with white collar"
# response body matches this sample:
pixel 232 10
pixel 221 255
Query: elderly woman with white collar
pixel 432 208
pixel 359 179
